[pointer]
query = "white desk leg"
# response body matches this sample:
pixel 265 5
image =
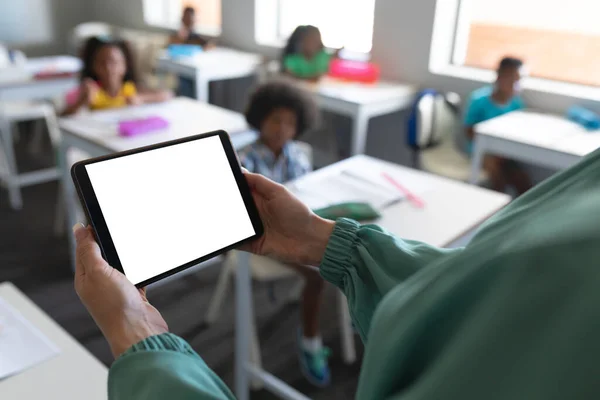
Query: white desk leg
pixel 12 178
pixel 360 127
pixel 68 196
pixel 348 349
pixel 201 87
pixel 477 161
pixel 243 309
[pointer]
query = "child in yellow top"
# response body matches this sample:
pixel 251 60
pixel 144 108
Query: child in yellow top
pixel 108 79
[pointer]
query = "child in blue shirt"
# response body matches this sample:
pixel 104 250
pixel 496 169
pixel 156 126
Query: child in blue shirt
pixel 281 112
pixel 491 102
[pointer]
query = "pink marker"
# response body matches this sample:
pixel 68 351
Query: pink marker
pixel 413 198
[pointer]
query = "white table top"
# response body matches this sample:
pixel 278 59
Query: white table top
pixel 24 74
pixel 73 374
pixel 220 60
pixel 186 117
pixel 542 130
pixel 451 210
pixel 360 93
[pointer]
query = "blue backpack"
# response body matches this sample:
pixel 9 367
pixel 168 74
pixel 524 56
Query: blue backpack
pixel 433 115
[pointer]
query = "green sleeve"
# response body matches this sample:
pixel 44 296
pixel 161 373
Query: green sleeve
pixel 164 367
pixel 366 262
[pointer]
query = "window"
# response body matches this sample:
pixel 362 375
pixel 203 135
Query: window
pixel 558 40
pixel 167 14
pixel 343 23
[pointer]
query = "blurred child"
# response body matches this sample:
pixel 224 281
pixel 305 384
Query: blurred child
pixel 186 34
pixel 304 56
pixel 280 113
pixel 491 102
pixel 108 79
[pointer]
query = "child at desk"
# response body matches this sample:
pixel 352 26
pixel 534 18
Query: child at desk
pixel 280 113
pixel 108 79
pixel 186 34
pixel 491 102
pixel 304 56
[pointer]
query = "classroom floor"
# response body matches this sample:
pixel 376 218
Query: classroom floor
pixel 37 262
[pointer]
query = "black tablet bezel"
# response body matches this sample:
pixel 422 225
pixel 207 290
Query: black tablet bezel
pixel 92 209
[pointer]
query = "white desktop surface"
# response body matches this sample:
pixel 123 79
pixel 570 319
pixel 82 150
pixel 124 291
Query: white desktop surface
pixel 541 139
pixel 361 102
pixel 211 65
pixel 452 208
pixel 186 117
pixel 73 374
pixel 18 82
pixel 215 60
pixel 361 93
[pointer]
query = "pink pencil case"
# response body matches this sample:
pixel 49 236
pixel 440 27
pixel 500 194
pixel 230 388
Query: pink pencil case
pixel 140 126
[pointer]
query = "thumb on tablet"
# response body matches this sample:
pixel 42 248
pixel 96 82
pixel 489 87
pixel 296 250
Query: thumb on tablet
pixel 87 253
pixel 261 185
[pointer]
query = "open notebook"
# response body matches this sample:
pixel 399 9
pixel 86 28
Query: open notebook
pixel 356 184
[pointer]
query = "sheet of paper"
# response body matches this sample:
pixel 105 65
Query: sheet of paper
pixel 410 181
pixel 22 345
pixel 342 188
pixel 359 183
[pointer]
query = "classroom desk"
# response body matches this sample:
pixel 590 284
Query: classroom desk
pixel 95 133
pixel 26 83
pixel 540 139
pixel 452 210
pixel 72 374
pixel 361 102
pixel 212 65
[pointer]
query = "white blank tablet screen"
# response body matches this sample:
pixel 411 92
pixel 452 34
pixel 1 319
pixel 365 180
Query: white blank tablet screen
pixel 169 206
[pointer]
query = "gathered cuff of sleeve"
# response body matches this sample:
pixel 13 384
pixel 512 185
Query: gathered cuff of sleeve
pixel 338 254
pixel 163 342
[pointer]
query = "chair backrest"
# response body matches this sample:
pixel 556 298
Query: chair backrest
pixel 433 118
pixel 11 58
pixel 145 48
pixel 306 149
pixel 85 31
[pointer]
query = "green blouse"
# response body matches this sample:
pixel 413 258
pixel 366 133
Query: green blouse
pixel 301 67
pixel 514 315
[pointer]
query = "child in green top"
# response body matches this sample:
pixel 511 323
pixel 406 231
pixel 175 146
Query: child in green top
pixel 304 56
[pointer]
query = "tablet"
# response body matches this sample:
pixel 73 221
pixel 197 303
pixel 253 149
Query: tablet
pixel 160 209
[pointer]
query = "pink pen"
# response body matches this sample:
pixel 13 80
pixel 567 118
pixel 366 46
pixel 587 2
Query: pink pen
pixel 413 198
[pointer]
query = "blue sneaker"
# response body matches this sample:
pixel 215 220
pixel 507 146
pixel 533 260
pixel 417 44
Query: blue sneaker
pixel 315 366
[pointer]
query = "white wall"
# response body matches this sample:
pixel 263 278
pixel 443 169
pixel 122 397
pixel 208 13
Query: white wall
pixel 46 24
pixel 37 29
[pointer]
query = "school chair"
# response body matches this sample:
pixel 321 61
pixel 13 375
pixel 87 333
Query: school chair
pixel 10 115
pixel 432 125
pixel 266 270
pixel 146 47
pixel 86 30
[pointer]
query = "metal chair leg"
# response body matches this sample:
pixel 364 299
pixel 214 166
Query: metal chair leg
pixel 12 178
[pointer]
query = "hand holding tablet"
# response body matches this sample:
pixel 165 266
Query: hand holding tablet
pixel 161 209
